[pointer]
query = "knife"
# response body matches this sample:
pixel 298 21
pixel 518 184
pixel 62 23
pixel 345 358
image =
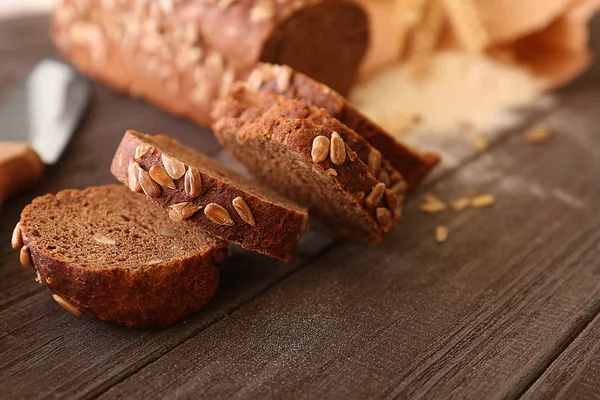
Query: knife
pixel 37 121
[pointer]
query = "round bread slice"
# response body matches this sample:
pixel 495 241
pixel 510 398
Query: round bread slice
pixel 204 193
pixel 314 166
pixel 109 253
pixel 281 79
pixel 249 105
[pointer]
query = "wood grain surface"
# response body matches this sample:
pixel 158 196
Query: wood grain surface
pixel 506 308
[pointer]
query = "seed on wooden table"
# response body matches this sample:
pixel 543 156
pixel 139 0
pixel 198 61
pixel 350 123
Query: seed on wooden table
pixel 243 210
pixel 25 257
pixel 133 172
pixel 141 150
pixel 337 151
pixel 181 211
pixel 461 203
pixel 151 188
pixel 174 167
pixel 374 162
pixel 320 149
pixel 160 176
pixel 375 196
pixel 441 233
pixel 66 305
pixel 384 216
pixel 538 134
pixel 431 204
pixel 17 238
pixel 193 183
pixel 483 200
pixel 218 214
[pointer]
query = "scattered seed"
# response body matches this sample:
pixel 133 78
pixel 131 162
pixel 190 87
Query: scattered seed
pixel 384 216
pixel 461 203
pixel 160 176
pixel 375 196
pixel 374 162
pixel 17 238
pixel 320 149
pixel 133 172
pixel 193 183
pixel 483 200
pixel 385 178
pixel 174 167
pixel 141 150
pixel 432 204
pixel 154 262
pixel 538 134
pixel 66 305
pixel 181 211
pixel 243 210
pixel 481 143
pixel 150 188
pixel 104 240
pixel 441 233
pixel 25 257
pixel 337 151
pixel 218 214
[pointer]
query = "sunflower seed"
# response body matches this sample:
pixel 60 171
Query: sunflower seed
pixel 104 240
pixel 441 233
pixel 243 210
pixel 483 200
pixel 337 152
pixel 384 216
pixel 25 257
pixel 38 278
pixel 218 214
pixel 374 162
pixel 537 134
pixel 400 187
pixel 331 171
pixel 181 211
pixel 160 176
pixel 193 183
pixel 283 78
pixel 320 149
pixel 17 238
pixel 375 196
pixel 151 188
pixel 142 149
pixel 461 203
pixel 133 174
pixel 432 205
pixel 154 262
pixel 385 178
pixel 174 167
pixel 66 305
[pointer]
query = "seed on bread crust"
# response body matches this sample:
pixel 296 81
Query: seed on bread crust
pixel 374 162
pixel 337 152
pixel 141 150
pixel 193 183
pixel 332 172
pixel 400 187
pixel 17 238
pixel 25 257
pixel 160 176
pixel 174 167
pixel 243 210
pixel 283 78
pixel 66 305
pixel 218 214
pixel 374 198
pixel 181 211
pixel 384 216
pixel 133 172
pixel 320 149
pixel 385 178
pixel 263 10
pixel 104 240
pixel 151 188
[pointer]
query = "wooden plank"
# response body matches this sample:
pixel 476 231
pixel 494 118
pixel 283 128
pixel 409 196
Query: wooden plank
pixel 480 316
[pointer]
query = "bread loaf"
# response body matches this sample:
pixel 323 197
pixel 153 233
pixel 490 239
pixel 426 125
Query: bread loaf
pixel 194 188
pixel 181 55
pixel 109 253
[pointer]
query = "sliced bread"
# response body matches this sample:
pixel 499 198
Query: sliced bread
pixel 314 166
pixel 194 188
pixel 283 80
pixel 109 253
pixel 248 105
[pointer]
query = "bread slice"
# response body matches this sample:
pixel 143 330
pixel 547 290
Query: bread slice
pixel 109 253
pixel 248 105
pixel 314 166
pixel 283 80
pixel 192 187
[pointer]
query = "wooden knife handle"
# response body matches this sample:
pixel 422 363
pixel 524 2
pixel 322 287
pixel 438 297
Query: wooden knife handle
pixel 20 167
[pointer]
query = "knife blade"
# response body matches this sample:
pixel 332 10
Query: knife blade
pixel 37 121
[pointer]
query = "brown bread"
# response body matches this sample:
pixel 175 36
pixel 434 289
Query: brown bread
pixel 312 165
pixel 181 55
pixel 109 253
pixel 194 188
pixel 283 80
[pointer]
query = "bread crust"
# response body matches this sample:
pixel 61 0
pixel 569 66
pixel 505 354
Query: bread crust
pixel 181 56
pixel 146 296
pixel 277 227
pixel 413 166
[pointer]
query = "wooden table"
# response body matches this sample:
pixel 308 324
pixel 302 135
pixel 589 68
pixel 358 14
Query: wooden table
pixel 508 307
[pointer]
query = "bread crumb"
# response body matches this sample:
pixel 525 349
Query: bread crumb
pixel 481 144
pixel 483 200
pixel 441 233
pixel 432 205
pixel 537 134
pixel 461 203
